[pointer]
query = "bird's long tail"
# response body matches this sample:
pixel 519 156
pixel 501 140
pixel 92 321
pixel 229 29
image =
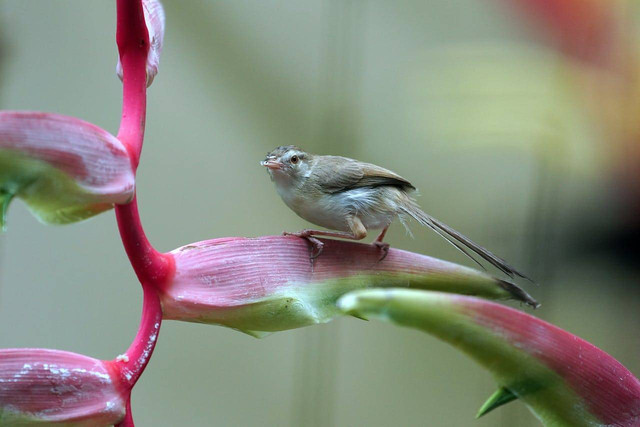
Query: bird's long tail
pixel 459 241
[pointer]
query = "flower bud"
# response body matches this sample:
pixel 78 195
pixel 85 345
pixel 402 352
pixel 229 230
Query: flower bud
pixel 51 386
pixel 65 169
pixel 154 19
pixel 268 284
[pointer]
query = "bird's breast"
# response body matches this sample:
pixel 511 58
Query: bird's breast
pixel 318 208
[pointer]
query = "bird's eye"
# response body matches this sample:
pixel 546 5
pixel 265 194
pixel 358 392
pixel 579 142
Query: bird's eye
pixel 294 159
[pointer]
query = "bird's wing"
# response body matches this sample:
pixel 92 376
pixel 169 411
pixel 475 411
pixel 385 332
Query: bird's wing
pixel 375 176
pixel 344 173
pixel 348 174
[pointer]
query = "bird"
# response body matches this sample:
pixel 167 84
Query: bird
pixel 349 198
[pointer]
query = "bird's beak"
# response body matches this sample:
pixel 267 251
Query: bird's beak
pixel 272 164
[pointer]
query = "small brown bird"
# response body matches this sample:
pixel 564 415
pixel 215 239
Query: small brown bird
pixel 354 197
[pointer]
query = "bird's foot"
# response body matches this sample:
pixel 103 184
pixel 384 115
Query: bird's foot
pixel 316 244
pixel 384 247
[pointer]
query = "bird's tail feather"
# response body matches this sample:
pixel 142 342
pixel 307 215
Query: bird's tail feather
pixel 458 240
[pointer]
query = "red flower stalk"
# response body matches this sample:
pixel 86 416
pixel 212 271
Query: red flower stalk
pixel 154 19
pixel 151 267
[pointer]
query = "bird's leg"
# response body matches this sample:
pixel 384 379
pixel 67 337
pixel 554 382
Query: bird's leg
pixel 382 245
pixel 358 232
pixel 308 234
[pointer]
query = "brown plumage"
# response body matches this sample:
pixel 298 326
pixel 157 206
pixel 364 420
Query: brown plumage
pixel 353 197
pixel 354 174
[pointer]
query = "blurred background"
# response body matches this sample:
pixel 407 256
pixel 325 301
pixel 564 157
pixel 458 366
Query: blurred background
pixel 519 120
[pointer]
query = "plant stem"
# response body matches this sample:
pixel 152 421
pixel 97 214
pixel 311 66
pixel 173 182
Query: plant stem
pixel 139 352
pixel 128 419
pixel 132 38
pixel 152 268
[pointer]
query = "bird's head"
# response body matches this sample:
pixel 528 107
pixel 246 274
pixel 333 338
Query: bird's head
pixel 287 164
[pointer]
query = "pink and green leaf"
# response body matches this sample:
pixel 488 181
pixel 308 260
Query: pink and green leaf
pixel 563 379
pixel 65 169
pixel 268 284
pixel 40 386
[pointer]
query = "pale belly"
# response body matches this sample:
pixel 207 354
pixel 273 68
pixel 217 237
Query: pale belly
pixel 332 210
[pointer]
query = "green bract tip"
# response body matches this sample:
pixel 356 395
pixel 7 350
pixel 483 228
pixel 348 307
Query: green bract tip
pixel 5 200
pixel 501 397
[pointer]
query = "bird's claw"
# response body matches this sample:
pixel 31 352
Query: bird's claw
pixel 316 245
pixel 384 247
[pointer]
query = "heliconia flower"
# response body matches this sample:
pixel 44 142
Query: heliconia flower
pixel 65 169
pixel 563 379
pixel 268 284
pixel 57 387
pixel 154 18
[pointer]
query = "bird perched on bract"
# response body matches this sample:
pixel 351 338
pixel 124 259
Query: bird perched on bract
pixel 353 197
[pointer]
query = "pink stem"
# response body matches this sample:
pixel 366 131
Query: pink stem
pixel 132 38
pixel 128 419
pixel 139 352
pixel 151 267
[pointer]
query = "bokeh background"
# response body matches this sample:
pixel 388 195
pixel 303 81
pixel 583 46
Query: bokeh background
pixel 519 121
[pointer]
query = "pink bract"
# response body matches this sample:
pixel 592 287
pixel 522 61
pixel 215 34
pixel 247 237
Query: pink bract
pixel 562 378
pixel 268 283
pixel 96 160
pixel 40 385
pixel 64 169
pixel 610 391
